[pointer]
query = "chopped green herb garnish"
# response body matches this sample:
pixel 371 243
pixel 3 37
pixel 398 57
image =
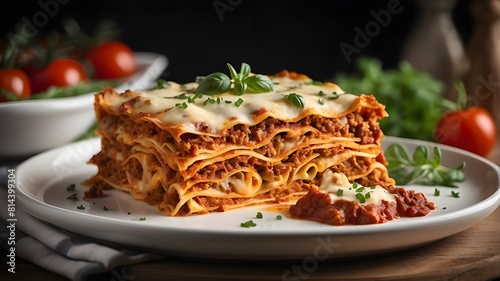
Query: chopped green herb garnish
pixel 161 84
pixel 436 192
pixel 279 217
pixel 181 105
pixel 455 194
pixel 367 195
pixel 81 207
pixel 314 82
pixel 239 102
pixel 142 219
pixel 182 96
pixel 197 96
pixel 105 208
pixel 361 198
pixel 73 197
pixel 320 101
pixel 334 97
pixel 259 215
pixel 340 192
pixel 71 187
pixel 249 223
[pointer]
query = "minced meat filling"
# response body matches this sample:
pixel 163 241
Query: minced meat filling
pixel 319 206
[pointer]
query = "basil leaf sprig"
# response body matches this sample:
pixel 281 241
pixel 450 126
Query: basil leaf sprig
pixel 218 82
pixel 419 168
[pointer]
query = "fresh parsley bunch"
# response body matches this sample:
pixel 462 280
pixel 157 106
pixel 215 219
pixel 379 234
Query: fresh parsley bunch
pixel 413 99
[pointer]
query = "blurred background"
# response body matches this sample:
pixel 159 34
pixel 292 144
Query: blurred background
pixel 199 37
pixel 409 54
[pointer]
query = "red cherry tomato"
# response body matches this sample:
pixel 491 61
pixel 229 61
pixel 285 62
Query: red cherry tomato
pixel 14 81
pixel 112 59
pixel 60 72
pixel 472 129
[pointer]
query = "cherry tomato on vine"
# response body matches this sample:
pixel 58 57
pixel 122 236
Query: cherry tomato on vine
pixel 112 59
pixel 472 129
pixel 14 81
pixel 60 72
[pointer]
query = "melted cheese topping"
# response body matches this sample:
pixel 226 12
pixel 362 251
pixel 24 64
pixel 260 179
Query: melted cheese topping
pixel 333 182
pixel 326 99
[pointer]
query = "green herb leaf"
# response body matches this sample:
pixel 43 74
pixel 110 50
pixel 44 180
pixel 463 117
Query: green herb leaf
pixel 334 96
pixel 239 87
pixel 71 187
pixel 361 198
pixel 213 84
pixel 420 168
pixel 259 215
pixel 73 197
pixel 295 100
pixel 232 71
pixel 259 83
pixel 239 102
pixel 249 223
pixel 218 82
pixel 245 70
pixel 161 84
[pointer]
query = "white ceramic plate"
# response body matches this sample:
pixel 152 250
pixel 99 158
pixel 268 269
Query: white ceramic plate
pixel 42 182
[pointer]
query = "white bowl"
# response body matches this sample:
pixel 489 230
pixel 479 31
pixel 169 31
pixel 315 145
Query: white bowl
pixel 32 126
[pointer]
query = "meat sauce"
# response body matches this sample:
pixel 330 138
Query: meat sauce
pixel 318 205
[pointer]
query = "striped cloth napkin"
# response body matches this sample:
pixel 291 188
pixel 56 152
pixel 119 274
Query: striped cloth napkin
pixel 56 251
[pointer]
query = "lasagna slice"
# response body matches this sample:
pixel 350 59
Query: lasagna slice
pixel 188 153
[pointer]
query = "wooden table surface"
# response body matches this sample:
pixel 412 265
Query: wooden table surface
pixel 473 254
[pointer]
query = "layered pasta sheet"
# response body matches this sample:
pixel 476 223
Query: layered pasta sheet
pixel 194 154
